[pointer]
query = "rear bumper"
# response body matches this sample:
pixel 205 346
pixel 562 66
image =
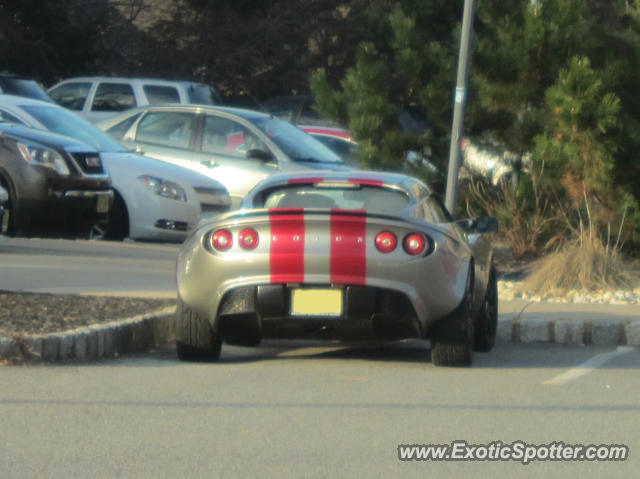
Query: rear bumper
pixel 252 313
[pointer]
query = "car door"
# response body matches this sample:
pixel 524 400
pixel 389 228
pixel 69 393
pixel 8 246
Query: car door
pixel 110 98
pixel 166 135
pixel 234 154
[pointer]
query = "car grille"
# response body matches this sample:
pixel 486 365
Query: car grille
pixel 89 163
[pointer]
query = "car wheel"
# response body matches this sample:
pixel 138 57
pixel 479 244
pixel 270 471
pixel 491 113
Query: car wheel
pixel 196 340
pixel 486 324
pixel 117 226
pixel 9 219
pixel 452 339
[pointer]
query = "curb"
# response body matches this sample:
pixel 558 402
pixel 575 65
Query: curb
pixel 574 332
pixel 104 340
pixel 143 332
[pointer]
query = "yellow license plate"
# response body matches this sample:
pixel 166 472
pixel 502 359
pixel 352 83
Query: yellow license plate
pixel 316 302
pixel 103 204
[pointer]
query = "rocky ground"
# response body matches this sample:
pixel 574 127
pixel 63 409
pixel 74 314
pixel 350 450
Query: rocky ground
pixel 508 290
pixel 43 313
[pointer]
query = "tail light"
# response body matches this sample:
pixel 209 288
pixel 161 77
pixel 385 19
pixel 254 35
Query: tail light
pixel 386 242
pixel 248 238
pixel 221 240
pixel 414 243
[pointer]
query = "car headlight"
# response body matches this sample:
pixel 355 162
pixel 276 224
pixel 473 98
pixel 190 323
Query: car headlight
pixel 43 156
pixel 164 188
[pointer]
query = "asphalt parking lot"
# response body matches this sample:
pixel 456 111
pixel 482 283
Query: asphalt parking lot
pixel 308 409
pixel 299 409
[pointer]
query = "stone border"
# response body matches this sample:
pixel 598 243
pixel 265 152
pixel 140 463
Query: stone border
pixel 103 340
pixel 596 332
pixel 143 332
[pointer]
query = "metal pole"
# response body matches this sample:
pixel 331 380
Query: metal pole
pixel 458 108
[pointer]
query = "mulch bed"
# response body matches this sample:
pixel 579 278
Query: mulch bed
pixel 30 313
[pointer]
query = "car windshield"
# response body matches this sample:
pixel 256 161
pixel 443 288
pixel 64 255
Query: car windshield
pixel 374 199
pixel 63 122
pixel 294 142
pixel 26 88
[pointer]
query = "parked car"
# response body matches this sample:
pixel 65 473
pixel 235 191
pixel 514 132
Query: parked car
pixel 339 140
pixel 237 147
pixel 296 109
pixel 54 184
pixel 4 218
pixel 97 98
pixel 18 85
pixel 363 255
pixel 153 200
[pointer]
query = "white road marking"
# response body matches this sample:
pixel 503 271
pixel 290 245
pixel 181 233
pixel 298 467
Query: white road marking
pixel 588 366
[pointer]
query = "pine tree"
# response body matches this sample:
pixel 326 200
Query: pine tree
pixel 404 72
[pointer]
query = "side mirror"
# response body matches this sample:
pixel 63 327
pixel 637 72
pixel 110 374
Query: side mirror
pixel 483 224
pixel 259 155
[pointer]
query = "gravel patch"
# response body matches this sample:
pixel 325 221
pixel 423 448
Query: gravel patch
pixel 32 313
pixel 508 290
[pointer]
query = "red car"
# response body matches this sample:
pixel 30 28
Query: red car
pixel 339 140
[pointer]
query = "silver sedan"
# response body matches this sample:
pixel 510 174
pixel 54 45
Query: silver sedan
pixel 239 148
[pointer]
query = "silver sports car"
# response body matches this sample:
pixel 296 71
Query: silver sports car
pixel 349 256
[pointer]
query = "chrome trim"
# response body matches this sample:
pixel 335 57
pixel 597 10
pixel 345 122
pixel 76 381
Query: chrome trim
pixel 85 194
pixel 69 150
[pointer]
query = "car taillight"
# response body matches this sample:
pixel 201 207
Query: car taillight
pixel 414 243
pixel 248 238
pixel 221 240
pixel 386 242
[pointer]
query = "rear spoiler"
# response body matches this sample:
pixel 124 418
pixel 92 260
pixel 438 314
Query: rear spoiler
pixel 415 222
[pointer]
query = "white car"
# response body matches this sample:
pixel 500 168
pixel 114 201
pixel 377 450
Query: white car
pixel 153 199
pixel 97 98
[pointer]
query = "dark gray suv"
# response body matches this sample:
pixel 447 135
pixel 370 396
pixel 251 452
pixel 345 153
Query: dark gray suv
pixel 56 185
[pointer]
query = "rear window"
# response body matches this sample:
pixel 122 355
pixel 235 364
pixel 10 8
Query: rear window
pixel 374 199
pixel 202 95
pixel 161 94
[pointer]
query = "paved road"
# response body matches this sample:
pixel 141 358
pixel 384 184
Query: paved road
pixel 77 266
pixel 315 410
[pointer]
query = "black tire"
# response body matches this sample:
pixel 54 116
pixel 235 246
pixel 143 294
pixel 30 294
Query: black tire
pixel 117 227
pixel 452 339
pixel 9 220
pixel 486 323
pixel 196 340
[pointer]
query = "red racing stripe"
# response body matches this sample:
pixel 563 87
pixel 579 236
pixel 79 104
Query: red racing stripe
pixel 286 255
pixel 363 181
pixel 348 263
pixel 313 180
